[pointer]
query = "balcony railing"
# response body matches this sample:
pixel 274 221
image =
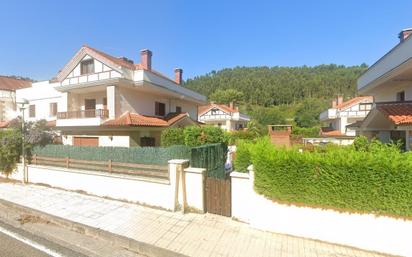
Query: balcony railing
pixel 99 113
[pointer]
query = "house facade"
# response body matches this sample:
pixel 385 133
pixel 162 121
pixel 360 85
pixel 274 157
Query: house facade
pixel 101 100
pixel 343 116
pixel 8 87
pixel 226 117
pixel 389 81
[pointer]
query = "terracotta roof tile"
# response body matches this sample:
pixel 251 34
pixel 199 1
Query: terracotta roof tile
pixel 330 132
pixel 354 101
pixel 4 124
pixel 137 120
pixel 225 108
pixel 123 63
pixel 399 113
pixel 7 83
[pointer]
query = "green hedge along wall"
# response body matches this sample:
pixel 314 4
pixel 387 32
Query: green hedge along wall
pixel 212 157
pixel 375 178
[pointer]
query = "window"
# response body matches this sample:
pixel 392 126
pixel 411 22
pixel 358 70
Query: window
pixel 32 111
pixel 160 109
pixel 178 109
pixel 147 141
pixel 87 67
pixel 365 107
pixel 400 96
pixel 105 103
pixel 214 111
pixel 53 109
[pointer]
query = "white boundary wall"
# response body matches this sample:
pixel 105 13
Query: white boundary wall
pixel 166 195
pixel 365 231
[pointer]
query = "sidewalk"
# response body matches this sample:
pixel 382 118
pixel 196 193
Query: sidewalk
pixel 189 234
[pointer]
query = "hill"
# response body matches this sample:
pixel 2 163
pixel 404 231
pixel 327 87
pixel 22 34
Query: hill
pixel 268 86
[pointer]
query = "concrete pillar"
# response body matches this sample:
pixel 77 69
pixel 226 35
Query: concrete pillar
pixel 111 101
pixel 62 105
pixel 176 168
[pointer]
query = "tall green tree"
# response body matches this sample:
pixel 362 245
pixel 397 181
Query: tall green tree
pixel 225 96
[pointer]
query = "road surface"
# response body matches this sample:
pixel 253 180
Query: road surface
pixel 10 247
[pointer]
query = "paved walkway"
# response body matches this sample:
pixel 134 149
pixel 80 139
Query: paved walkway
pixel 190 234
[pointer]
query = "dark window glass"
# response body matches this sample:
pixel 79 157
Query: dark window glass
pixel 87 67
pixel 160 109
pixel 53 109
pixel 178 109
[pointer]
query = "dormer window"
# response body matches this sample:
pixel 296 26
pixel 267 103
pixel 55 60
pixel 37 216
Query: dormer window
pixel 87 67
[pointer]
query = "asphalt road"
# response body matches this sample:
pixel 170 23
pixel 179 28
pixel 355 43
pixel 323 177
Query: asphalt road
pixel 10 247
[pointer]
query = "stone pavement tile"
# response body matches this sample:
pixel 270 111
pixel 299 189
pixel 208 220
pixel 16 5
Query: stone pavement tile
pixel 191 234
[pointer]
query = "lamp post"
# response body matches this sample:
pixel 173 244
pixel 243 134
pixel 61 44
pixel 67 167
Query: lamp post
pixel 22 106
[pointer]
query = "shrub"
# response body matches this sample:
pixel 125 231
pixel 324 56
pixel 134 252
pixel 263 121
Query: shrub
pixel 243 158
pixel 10 150
pixel 306 132
pixel 196 136
pixel 172 136
pixel 377 179
pixel 235 136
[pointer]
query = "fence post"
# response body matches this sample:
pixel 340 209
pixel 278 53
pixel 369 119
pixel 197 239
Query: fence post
pixel 67 162
pixel 110 165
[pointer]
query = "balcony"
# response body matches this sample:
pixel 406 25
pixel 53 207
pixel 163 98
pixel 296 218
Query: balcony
pixel 82 118
pixel 98 113
pixel 329 114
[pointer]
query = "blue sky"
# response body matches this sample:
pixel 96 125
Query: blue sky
pixel 39 37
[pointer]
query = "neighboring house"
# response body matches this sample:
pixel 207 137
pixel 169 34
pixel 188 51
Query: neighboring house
pixel 226 117
pixel 341 117
pixel 389 81
pixel 101 100
pixel 8 108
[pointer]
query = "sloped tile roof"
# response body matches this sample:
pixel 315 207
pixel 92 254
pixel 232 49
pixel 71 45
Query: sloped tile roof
pixel 7 83
pixel 137 120
pixel 4 124
pixel 123 63
pixel 330 132
pixel 205 108
pixel 400 113
pixel 354 101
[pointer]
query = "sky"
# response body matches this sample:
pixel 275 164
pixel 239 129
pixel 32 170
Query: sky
pixel 39 37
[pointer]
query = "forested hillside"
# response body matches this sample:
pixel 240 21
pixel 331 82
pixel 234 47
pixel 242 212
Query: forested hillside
pixel 266 86
pixel 279 95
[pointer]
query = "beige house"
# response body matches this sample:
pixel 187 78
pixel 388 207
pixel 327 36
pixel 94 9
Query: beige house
pixel 389 81
pixel 8 87
pixel 226 117
pixel 101 100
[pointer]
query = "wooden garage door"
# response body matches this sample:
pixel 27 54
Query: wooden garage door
pixel 86 141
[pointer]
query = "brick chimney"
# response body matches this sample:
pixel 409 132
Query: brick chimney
pixel 339 99
pixel 178 76
pixel 404 34
pixel 146 59
pixel 334 103
pixel 231 105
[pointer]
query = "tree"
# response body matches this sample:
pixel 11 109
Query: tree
pixel 226 96
pixel 307 115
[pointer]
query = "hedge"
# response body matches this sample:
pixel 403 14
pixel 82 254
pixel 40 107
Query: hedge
pixel 143 155
pixel 193 136
pixel 373 179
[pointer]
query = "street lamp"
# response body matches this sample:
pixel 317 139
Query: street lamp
pixel 22 106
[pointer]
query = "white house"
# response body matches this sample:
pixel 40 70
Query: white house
pixel 226 117
pixel 389 81
pixel 8 87
pixel 342 116
pixel 101 100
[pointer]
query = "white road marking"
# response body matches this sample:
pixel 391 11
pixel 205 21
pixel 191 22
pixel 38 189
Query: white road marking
pixel 29 242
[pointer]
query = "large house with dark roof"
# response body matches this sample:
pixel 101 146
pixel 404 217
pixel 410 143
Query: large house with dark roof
pixel 8 87
pixel 389 81
pixel 101 100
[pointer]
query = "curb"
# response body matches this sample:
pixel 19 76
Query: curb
pixel 115 239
